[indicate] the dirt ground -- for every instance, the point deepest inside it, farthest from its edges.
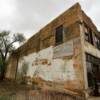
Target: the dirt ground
(10, 90)
(7, 87)
(14, 91)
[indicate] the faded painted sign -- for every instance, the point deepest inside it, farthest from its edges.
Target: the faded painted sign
(65, 49)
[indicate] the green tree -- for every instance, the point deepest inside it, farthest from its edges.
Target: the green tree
(7, 41)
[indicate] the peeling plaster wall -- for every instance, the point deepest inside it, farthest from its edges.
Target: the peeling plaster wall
(48, 68)
(62, 68)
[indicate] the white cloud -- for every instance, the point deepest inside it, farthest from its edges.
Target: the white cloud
(28, 16)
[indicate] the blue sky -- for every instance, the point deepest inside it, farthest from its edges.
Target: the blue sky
(29, 16)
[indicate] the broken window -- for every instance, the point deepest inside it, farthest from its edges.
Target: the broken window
(59, 35)
(88, 34)
(97, 42)
(93, 70)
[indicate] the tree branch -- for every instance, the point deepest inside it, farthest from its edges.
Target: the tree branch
(2, 55)
(11, 43)
(4, 41)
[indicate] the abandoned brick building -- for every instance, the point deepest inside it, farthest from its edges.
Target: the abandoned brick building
(66, 51)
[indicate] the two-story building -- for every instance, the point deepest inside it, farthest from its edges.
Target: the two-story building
(66, 51)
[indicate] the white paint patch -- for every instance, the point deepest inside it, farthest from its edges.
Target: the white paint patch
(43, 65)
(65, 49)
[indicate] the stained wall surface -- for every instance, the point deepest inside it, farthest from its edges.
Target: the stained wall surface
(60, 64)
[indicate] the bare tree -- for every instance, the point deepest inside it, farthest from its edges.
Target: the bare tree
(7, 46)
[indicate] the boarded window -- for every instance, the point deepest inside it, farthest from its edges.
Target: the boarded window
(59, 35)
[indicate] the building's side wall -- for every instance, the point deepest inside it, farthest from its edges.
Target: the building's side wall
(90, 49)
(87, 47)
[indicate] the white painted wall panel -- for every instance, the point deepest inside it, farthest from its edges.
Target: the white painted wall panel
(42, 64)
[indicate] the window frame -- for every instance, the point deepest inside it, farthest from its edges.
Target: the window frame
(59, 35)
(97, 41)
(88, 34)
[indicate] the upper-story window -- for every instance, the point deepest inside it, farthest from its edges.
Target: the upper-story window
(59, 35)
(92, 37)
(97, 42)
(88, 35)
